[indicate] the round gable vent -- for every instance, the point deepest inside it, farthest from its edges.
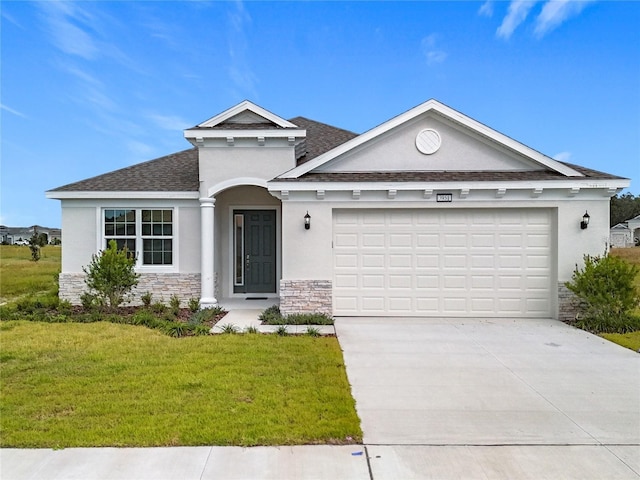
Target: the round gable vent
(428, 141)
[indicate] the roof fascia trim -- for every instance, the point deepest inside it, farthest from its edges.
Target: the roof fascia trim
(241, 107)
(66, 195)
(447, 112)
(580, 183)
(200, 133)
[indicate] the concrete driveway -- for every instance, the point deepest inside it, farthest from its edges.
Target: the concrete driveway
(494, 392)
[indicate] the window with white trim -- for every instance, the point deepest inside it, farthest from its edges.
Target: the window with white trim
(147, 232)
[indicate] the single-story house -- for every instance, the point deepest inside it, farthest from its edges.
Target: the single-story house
(431, 213)
(21, 235)
(625, 234)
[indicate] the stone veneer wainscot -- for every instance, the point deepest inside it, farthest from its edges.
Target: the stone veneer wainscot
(306, 296)
(185, 285)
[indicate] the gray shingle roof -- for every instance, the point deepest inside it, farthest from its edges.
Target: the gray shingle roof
(445, 176)
(177, 172)
(321, 137)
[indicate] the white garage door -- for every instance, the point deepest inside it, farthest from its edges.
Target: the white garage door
(456, 263)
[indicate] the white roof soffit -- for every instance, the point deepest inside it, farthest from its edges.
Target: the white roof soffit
(433, 105)
(252, 107)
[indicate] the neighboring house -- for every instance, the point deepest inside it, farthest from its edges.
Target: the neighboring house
(625, 234)
(429, 214)
(21, 235)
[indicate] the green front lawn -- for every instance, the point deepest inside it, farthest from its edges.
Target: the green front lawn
(20, 276)
(103, 384)
(629, 340)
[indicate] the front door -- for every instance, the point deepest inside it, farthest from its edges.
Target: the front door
(254, 251)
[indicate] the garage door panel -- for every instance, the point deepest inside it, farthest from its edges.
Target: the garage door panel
(346, 280)
(428, 282)
(373, 281)
(427, 261)
(373, 240)
(372, 260)
(346, 260)
(373, 304)
(478, 262)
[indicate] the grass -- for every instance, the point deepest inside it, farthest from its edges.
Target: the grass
(103, 384)
(629, 340)
(20, 276)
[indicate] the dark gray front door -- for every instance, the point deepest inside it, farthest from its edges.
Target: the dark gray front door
(259, 256)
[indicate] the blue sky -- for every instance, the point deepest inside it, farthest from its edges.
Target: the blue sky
(90, 87)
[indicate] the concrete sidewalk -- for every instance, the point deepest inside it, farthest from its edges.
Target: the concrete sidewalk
(186, 463)
(377, 462)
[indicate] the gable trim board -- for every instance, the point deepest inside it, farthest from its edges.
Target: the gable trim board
(482, 225)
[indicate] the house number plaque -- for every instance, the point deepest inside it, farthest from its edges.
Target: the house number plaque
(444, 197)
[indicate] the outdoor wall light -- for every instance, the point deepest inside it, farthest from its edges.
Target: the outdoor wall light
(585, 220)
(307, 221)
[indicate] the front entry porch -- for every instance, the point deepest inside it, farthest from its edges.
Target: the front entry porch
(241, 247)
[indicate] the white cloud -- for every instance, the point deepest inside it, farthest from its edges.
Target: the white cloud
(11, 110)
(169, 122)
(430, 50)
(67, 24)
(563, 156)
(517, 13)
(555, 13)
(239, 70)
(140, 149)
(486, 10)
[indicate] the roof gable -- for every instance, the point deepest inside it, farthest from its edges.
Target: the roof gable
(512, 156)
(246, 113)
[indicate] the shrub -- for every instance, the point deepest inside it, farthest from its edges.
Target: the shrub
(312, 331)
(174, 304)
(282, 331)
(158, 307)
(111, 274)
(201, 330)
(308, 319)
(144, 317)
(30, 304)
(251, 330)
(607, 295)
(194, 305)
(229, 328)
(271, 316)
(146, 299)
(201, 316)
(173, 329)
(88, 300)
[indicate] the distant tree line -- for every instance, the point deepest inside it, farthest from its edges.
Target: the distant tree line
(623, 208)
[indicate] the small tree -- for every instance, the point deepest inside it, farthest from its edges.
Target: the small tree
(607, 294)
(111, 275)
(34, 245)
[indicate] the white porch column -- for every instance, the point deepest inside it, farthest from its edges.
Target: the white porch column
(207, 240)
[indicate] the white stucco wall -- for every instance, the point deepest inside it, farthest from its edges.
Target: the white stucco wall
(219, 164)
(308, 254)
(82, 231)
(79, 230)
(396, 150)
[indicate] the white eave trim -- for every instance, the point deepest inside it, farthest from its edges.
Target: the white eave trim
(447, 112)
(252, 107)
(197, 133)
(122, 195)
(573, 184)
